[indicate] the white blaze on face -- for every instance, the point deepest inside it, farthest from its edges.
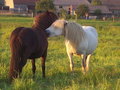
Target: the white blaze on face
(56, 28)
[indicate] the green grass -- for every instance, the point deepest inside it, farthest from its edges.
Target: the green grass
(104, 71)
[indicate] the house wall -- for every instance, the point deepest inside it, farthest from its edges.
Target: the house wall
(115, 11)
(9, 3)
(20, 7)
(59, 7)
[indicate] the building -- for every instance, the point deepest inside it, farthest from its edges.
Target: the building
(107, 7)
(104, 9)
(69, 4)
(113, 6)
(21, 5)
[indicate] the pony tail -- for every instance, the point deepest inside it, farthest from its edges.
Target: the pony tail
(16, 50)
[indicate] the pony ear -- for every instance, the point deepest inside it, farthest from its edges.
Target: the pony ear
(47, 12)
(65, 23)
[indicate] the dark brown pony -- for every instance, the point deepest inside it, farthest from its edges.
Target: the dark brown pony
(30, 43)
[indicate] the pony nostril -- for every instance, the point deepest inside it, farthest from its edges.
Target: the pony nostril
(47, 32)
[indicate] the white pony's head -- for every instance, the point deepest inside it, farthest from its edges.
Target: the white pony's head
(56, 28)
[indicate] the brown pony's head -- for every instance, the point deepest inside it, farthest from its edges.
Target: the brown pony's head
(44, 20)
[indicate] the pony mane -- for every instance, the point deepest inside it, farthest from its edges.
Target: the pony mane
(74, 33)
(44, 20)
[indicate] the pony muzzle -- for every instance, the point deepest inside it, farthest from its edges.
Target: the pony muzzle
(47, 32)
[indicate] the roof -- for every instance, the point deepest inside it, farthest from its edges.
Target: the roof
(103, 9)
(27, 2)
(71, 2)
(111, 2)
(114, 8)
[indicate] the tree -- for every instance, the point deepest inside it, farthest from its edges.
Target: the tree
(2, 2)
(44, 5)
(63, 13)
(82, 10)
(96, 2)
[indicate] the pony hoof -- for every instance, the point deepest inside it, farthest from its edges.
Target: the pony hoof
(87, 69)
(33, 76)
(72, 69)
(83, 70)
(43, 76)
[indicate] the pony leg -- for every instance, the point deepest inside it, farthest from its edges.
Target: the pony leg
(21, 65)
(87, 62)
(23, 60)
(84, 63)
(71, 61)
(43, 64)
(33, 67)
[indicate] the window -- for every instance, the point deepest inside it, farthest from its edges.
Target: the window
(60, 7)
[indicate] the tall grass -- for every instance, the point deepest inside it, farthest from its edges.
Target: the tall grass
(104, 71)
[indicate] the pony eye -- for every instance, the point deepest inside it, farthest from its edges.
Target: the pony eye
(55, 27)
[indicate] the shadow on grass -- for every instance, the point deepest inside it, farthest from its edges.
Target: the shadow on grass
(58, 80)
(5, 83)
(62, 80)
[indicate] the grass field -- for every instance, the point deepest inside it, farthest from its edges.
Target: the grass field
(104, 71)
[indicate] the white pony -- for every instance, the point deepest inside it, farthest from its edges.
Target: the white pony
(80, 40)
